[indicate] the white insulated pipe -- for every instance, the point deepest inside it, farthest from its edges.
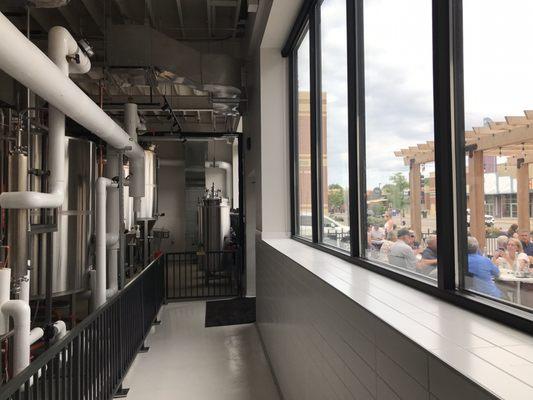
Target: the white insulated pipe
(131, 123)
(5, 289)
(61, 330)
(22, 60)
(63, 52)
(36, 334)
(20, 312)
(99, 291)
(113, 223)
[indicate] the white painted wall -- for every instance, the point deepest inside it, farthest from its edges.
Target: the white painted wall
(275, 164)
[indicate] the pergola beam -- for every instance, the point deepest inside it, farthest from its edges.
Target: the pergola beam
(415, 199)
(476, 197)
(522, 196)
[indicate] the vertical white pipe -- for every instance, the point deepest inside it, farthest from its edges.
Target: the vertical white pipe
(112, 268)
(137, 189)
(5, 285)
(99, 293)
(20, 312)
(113, 223)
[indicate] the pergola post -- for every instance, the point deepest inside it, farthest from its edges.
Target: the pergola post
(476, 196)
(414, 199)
(522, 196)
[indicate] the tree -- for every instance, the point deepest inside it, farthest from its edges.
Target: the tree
(335, 197)
(394, 191)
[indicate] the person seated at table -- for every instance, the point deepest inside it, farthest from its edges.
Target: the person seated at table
(482, 270)
(430, 253)
(376, 235)
(513, 259)
(402, 253)
(501, 243)
(525, 238)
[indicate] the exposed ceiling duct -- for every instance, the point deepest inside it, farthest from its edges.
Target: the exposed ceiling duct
(174, 62)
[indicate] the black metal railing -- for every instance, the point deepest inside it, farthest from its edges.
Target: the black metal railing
(92, 360)
(203, 274)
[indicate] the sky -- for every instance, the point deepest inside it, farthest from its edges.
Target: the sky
(398, 75)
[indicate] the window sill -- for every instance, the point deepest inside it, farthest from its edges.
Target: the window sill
(494, 356)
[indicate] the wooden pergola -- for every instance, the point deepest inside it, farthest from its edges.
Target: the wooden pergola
(512, 138)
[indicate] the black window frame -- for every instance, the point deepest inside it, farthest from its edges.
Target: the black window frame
(448, 95)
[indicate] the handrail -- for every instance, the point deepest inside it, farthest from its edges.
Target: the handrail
(26, 375)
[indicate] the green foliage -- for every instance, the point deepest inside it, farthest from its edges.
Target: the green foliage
(394, 191)
(375, 220)
(335, 197)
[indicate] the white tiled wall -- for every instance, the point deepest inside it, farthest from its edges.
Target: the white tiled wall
(322, 345)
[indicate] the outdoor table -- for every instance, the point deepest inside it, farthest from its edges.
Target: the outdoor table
(506, 276)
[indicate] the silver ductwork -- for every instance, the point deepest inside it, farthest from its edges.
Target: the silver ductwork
(177, 63)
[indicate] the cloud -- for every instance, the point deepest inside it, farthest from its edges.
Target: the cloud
(399, 75)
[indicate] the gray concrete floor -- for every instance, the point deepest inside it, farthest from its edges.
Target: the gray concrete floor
(188, 361)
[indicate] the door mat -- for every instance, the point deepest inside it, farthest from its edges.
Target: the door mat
(230, 312)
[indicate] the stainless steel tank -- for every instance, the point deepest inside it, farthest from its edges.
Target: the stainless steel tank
(72, 246)
(213, 223)
(18, 219)
(213, 229)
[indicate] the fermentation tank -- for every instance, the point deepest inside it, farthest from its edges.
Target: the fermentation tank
(72, 248)
(213, 222)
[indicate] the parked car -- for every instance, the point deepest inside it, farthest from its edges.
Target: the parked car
(332, 228)
(489, 219)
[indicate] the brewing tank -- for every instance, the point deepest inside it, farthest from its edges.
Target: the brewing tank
(72, 248)
(18, 219)
(213, 223)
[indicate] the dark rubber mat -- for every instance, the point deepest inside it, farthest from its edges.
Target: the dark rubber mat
(230, 312)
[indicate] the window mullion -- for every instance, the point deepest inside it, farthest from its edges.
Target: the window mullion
(316, 147)
(444, 141)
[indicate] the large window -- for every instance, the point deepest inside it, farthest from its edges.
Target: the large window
(499, 140)
(400, 176)
(303, 141)
(412, 125)
(334, 125)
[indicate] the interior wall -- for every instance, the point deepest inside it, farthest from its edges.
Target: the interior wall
(275, 164)
(172, 197)
(172, 187)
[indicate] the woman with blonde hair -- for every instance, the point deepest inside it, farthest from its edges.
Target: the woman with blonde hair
(514, 258)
